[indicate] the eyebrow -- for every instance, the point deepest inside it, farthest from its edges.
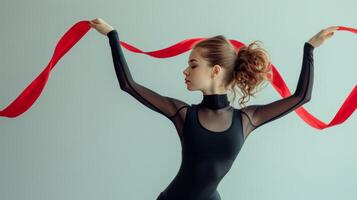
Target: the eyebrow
(192, 60)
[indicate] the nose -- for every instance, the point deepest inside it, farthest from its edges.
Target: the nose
(185, 72)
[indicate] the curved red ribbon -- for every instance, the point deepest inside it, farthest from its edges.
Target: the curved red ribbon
(29, 95)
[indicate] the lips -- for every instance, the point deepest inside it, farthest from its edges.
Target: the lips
(187, 81)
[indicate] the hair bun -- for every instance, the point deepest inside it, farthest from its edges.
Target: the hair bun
(238, 63)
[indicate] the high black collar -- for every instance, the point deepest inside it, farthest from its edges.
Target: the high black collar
(215, 101)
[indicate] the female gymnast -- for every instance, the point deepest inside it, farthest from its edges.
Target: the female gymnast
(212, 132)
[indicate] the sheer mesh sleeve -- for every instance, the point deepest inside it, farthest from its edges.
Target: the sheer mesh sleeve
(167, 106)
(257, 115)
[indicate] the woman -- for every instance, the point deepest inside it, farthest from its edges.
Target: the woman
(212, 132)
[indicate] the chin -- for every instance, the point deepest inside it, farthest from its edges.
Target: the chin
(189, 87)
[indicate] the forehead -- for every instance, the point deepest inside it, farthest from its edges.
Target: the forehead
(194, 56)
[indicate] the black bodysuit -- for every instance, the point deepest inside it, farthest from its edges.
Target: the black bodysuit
(211, 132)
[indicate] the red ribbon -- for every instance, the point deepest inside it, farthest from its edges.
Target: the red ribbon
(29, 95)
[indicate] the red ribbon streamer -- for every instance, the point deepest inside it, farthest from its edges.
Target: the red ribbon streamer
(29, 95)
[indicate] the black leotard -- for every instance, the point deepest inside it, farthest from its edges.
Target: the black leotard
(211, 132)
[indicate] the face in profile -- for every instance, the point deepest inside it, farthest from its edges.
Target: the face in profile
(198, 72)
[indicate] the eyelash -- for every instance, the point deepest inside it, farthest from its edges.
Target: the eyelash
(194, 66)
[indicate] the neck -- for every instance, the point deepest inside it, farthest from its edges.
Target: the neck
(215, 101)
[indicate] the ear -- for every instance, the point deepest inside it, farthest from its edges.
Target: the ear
(216, 70)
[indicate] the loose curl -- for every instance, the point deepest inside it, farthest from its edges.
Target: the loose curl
(248, 67)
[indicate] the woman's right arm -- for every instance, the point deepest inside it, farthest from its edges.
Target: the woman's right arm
(167, 106)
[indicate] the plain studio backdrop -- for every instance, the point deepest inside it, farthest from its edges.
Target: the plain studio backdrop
(86, 139)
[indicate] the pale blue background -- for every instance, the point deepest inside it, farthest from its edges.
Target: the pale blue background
(85, 139)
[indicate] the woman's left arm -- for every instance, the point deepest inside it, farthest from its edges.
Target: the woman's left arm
(257, 115)
(261, 114)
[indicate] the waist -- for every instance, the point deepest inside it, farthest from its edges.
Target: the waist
(170, 194)
(186, 188)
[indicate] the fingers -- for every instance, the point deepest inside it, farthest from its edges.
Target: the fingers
(330, 29)
(100, 25)
(97, 21)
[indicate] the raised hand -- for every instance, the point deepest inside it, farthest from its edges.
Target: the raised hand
(321, 36)
(101, 26)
